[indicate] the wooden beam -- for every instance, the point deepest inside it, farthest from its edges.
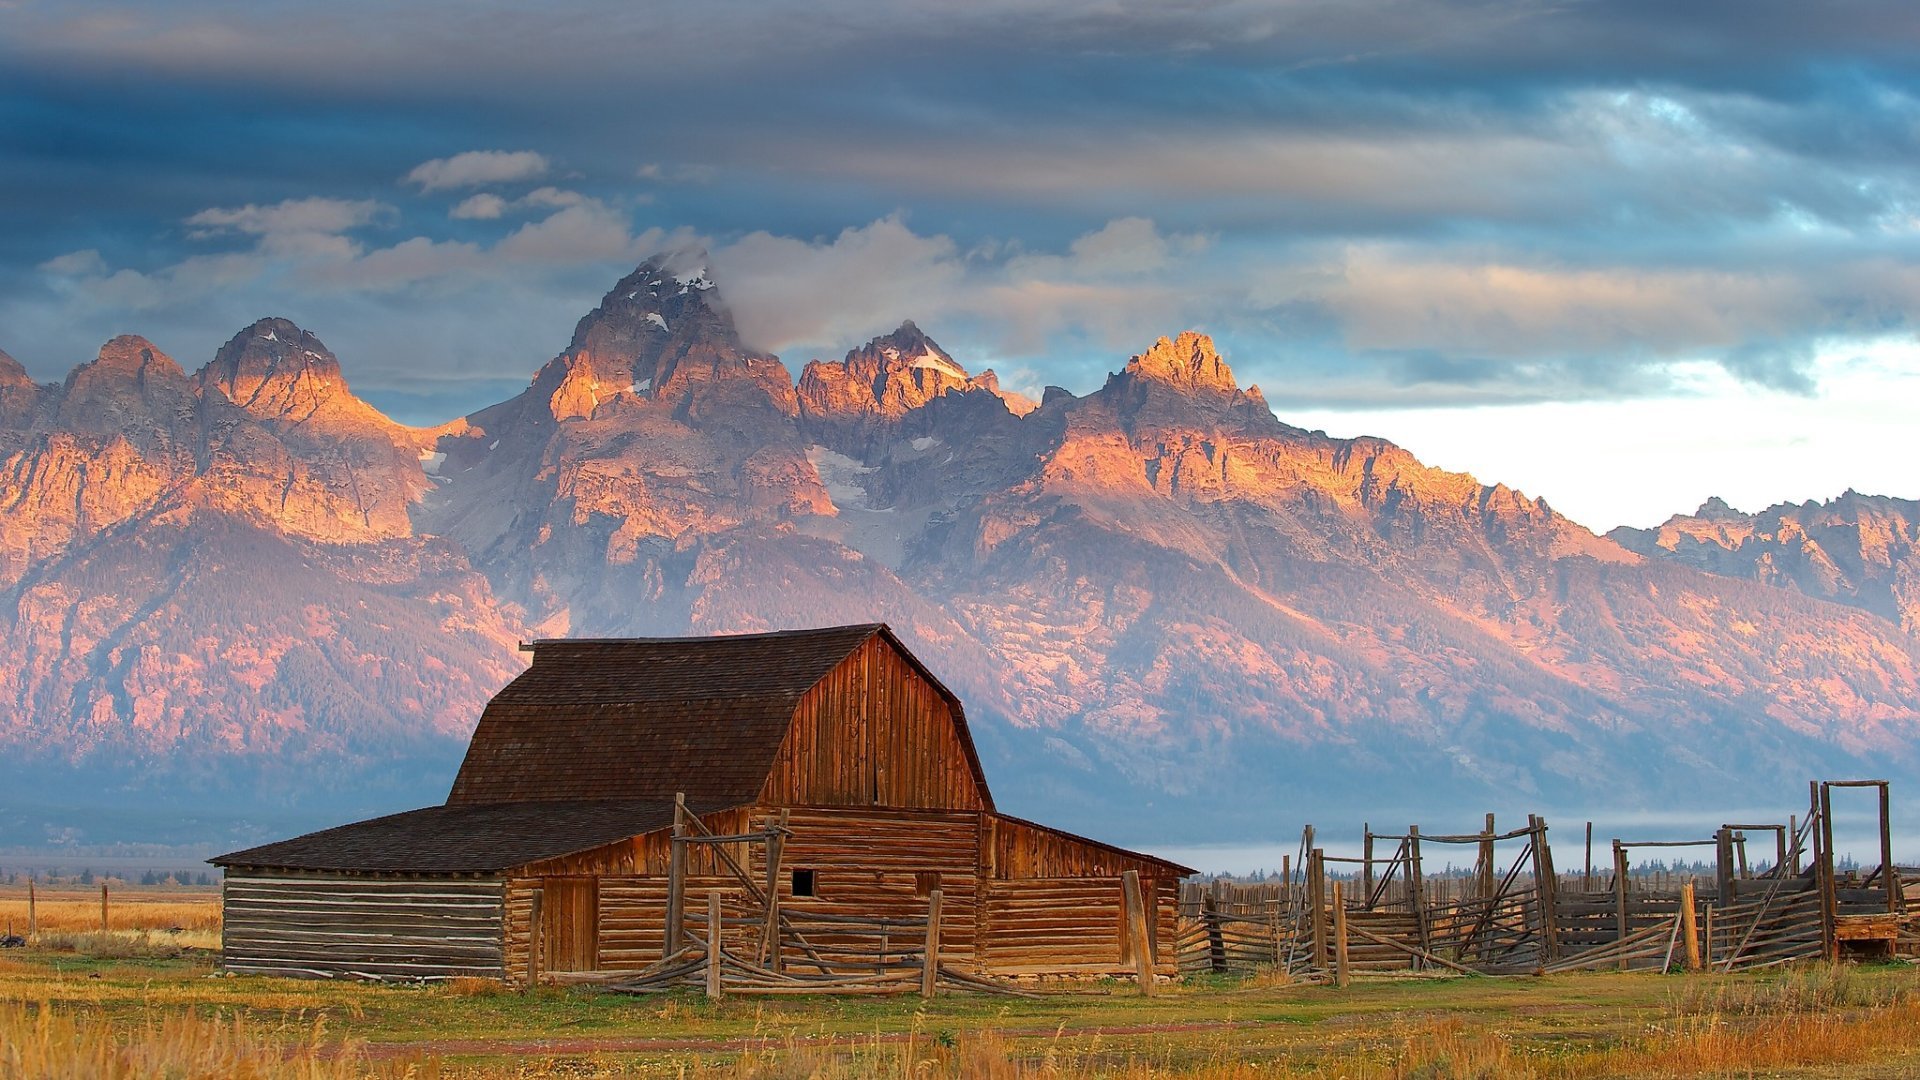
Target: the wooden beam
(1547, 890)
(1723, 867)
(1317, 899)
(1417, 887)
(1620, 896)
(1137, 930)
(1689, 926)
(1889, 874)
(713, 944)
(676, 877)
(1485, 884)
(1340, 976)
(1588, 887)
(930, 959)
(1829, 904)
(1366, 858)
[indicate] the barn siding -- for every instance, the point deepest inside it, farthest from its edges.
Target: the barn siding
(320, 926)
(874, 732)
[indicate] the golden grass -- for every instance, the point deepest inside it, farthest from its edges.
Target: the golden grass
(128, 908)
(40, 1042)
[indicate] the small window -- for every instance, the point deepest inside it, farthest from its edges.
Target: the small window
(803, 883)
(925, 882)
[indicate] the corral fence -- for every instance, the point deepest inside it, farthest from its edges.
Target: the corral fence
(1514, 911)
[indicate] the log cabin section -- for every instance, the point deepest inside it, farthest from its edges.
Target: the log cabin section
(556, 841)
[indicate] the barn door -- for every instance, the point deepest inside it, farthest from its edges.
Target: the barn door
(570, 924)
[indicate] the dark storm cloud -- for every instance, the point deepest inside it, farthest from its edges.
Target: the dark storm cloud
(1464, 201)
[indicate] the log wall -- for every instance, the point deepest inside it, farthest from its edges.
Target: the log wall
(353, 927)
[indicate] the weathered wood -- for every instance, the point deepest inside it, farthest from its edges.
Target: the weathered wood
(676, 877)
(713, 944)
(1549, 888)
(534, 961)
(1689, 927)
(1417, 887)
(343, 927)
(1139, 945)
(1317, 906)
(1829, 908)
(930, 954)
(1366, 858)
(1340, 973)
(1889, 873)
(1620, 886)
(1723, 865)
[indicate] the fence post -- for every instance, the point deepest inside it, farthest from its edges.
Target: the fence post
(930, 962)
(1340, 977)
(1417, 886)
(33, 912)
(1587, 885)
(1137, 930)
(1621, 919)
(1546, 890)
(1829, 902)
(713, 944)
(1689, 926)
(1723, 867)
(1366, 867)
(1216, 938)
(1889, 874)
(676, 878)
(1317, 897)
(103, 907)
(1485, 885)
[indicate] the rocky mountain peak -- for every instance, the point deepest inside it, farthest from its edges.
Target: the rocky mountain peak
(1716, 507)
(17, 391)
(662, 332)
(277, 372)
(909, 351)
(128, 356)
(1188, 361)
(851, 403)
(12, 374)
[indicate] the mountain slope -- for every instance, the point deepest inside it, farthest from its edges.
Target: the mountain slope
(205, 600)
(1170, 614)
(1861, 550)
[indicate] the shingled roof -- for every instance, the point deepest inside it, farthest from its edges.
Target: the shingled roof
(643, 718)
(472, 838)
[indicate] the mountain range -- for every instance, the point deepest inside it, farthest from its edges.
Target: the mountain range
(241, 599)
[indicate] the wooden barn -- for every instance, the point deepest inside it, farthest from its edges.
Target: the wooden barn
(817, 789)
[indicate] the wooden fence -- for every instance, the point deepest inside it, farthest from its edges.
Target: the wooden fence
(1386, 913)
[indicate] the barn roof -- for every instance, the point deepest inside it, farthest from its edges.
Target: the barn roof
(470, 838)
(643, 718)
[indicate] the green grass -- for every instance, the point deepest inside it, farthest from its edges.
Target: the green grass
(1205, 1025)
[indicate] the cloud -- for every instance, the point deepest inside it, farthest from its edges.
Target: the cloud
(477, 167)
(292, 216)
(85, 263)
(482, 207)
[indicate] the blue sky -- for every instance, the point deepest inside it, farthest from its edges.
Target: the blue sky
(1622, 255)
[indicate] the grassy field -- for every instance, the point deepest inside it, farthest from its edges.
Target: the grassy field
(141, 1001)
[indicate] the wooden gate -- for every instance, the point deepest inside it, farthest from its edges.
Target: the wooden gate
(570, 924)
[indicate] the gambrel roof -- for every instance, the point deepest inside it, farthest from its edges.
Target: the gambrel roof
(644, 718)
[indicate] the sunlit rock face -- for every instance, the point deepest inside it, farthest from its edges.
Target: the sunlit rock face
(1148, 595)
(1856, 549)
(860, 402)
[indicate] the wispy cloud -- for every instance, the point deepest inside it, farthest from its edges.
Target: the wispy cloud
(478, 167)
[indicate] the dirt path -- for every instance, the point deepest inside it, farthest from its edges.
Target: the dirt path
(646, 1044)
